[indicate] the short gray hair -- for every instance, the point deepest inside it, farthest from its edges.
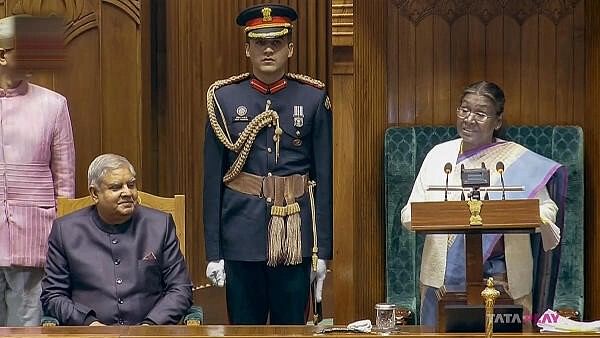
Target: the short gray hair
(104, 163)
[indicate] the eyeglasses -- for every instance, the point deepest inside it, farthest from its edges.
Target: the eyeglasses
(464, 113)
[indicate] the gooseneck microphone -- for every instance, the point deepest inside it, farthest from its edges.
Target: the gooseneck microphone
(447, 170)
(500, 170)
(462, 193)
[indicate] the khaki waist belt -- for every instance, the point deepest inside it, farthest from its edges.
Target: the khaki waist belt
(276, 189)
(284, 243)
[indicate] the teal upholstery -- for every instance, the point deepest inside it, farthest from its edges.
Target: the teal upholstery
(406, 147)
(195, 314)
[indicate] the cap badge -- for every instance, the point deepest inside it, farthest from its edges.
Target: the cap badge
(266, 12)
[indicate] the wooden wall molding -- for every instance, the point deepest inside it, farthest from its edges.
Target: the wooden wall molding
(558, 9)
(80, 15)
(99, 90)
(415, 10)
(80, 25)
(342, 27)
(485, 10)
(131, 7)
(538, 63)
(71, 9)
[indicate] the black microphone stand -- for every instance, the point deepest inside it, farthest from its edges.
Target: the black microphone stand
(447, 170)
(446, 190)
(502, 181)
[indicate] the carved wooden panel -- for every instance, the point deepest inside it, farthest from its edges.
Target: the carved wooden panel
(341, 22)
(102, 85)
(131, 7)
(527, 47)
(79, 15)
(485, 10)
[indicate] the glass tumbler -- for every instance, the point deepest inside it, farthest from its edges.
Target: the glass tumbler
(386, 316)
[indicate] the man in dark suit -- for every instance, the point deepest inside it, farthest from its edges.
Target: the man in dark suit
(268, 178)
(115, 262)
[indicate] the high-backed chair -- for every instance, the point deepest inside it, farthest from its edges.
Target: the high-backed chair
(405, 149)
(173, 205)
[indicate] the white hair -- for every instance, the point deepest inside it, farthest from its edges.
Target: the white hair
(104, 163)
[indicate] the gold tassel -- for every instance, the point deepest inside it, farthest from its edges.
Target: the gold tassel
(293, 239)
(276, 230)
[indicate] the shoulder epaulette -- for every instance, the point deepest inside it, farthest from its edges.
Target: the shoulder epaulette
(306, 79)
(230, 80)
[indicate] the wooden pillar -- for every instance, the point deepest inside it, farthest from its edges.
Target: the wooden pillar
(370, 102)
(591, 128)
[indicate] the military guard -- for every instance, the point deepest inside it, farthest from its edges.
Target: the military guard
(268, 178)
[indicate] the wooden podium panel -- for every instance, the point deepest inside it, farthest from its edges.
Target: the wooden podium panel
(492, 216)
(497, 216)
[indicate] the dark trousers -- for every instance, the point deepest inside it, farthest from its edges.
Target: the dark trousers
(256, 292)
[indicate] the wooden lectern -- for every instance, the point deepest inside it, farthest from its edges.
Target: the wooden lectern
(473, 218)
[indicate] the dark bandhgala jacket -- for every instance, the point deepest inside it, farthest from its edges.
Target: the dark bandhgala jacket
(125, 274)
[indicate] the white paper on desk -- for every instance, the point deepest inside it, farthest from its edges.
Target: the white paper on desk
(361, 325)
(551, 321)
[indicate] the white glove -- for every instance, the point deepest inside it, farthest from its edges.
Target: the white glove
(320, 275)
(215, 271)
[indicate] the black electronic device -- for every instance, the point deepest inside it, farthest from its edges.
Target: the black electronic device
(471, 318)
(475, 178)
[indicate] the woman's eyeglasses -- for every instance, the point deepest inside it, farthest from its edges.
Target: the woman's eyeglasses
(480, 117)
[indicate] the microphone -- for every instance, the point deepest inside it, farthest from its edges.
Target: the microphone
(447, 170)
(462, 193)
(500, 170)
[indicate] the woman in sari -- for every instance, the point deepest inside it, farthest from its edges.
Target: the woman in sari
(506, 257)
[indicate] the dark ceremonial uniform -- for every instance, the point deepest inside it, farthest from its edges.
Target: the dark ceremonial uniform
(266, 147)
(237, 222)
